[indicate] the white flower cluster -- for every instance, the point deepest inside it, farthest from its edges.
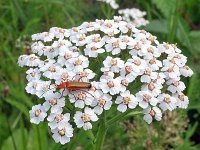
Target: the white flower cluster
(130, 15)
(134, 16)
(112, 3)
(130, 57)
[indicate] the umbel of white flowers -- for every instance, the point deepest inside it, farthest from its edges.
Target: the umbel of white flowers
(130, 15)
(62, 55)
(134, 16)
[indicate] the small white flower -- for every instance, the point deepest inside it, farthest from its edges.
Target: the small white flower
(81, 98)
(63, 135)
(95, 89)
(175, 85)
(32, 86)
(166, 48)
(94, 45)
(150, 113)
(170, 70)
(55, 101)
(51, 52)
(126, 100)
(85, 75)
(51, 71)
(44, 65)
(148, 76)
(44, 36)
(33, 74)
(47, 37)
(31, 61)
(58, 120)
(59, 32)
(138, 64)
(79, 39)
(88, 27)
(124, 82)
(38, 47)
(43, 88)
(154, 64)
(115, 45)
(101, 102)
(110, 86)
(149, 51)
(152, 87)
(107, 75)
(167, 102)
(112, 64)
(37, 114)
(61, 45)
(186, 71)
(79, 63)
(84, 119)
(63, 75)
(109, 27)
(92, 51)
(128, 72)
(178, 59)
(124, 27)
(22, 60)
(182, 100)
(144, 98)
(135, 47)
(64, 57)
(160, 78)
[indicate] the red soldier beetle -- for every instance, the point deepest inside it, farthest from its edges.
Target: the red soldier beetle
(74, 86)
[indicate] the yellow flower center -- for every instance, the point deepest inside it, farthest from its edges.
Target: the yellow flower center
(37, 112)
(86, 117)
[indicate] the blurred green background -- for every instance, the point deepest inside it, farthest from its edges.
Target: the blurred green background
(173, 21)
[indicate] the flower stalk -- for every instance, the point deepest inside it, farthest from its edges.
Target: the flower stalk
(121, 116)
(101, 133)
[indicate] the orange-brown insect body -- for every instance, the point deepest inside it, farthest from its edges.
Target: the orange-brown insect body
(73, 85)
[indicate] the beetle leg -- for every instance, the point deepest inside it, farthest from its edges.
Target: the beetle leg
(87, 92)
(62, 92)
(80, 79)
(70, 91)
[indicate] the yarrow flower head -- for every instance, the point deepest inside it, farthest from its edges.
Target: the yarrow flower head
(82, 72)
(134, 16)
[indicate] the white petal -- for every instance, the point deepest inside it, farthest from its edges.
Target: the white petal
(122, 108)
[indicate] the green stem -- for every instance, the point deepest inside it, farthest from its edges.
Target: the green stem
(38, 137)
(12, 138)
(101, 133)
(20, 11)
(121, 116)
(101, 136)
(173, 23)
(91, 136)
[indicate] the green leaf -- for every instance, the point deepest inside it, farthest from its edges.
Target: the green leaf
(157, 26)
(18, 139)
(191, 130)
(38, 137)
(4, 130)
(194, 37)
(193, 91)
(183, 34)
(166, 7)
(19, 106)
